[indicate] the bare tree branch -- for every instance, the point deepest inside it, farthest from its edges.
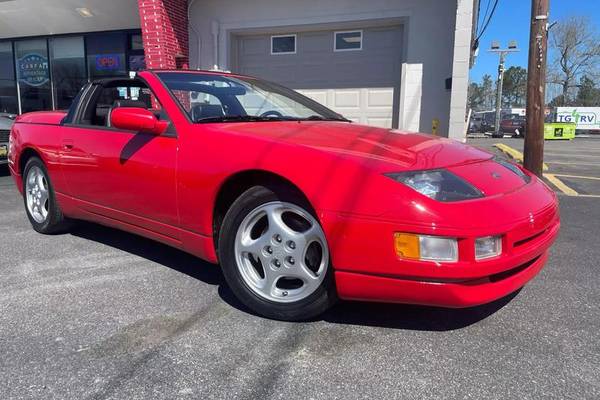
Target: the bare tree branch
(575, 49)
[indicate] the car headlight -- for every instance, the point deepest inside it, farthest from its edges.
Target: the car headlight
(438, 184)
(514, 168)
(488, 247)
(425, 247)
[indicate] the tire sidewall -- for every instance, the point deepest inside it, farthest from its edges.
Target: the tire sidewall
(48, 225)
(314, 304)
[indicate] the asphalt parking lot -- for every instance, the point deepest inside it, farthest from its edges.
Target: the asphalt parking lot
(101, 314)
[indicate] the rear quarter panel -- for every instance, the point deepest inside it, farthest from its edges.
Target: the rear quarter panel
(45, 141)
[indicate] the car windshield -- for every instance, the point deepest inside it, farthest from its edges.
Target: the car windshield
(223, 98)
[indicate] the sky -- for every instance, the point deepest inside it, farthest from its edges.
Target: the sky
(511, 22)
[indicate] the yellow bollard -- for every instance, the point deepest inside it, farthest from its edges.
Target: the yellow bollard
(435, 123)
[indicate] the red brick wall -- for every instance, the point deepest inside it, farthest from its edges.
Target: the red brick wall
(165, 33)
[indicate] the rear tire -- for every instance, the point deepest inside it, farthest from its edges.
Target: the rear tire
(274, 255)
(41, 207)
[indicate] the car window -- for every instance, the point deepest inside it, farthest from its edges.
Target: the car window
(210, 97)
(107, 97)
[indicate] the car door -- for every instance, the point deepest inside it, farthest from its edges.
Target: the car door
(121, 175)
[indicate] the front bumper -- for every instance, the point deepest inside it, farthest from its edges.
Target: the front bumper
(367, 268)
(352, 286)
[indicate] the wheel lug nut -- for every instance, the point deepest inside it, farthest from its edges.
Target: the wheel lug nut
(291, 245)
(277, 263)
(277, 238)
(291, 261)
(268, 249)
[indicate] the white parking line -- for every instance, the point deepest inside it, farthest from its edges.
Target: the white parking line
(578, 177)
(572, 163)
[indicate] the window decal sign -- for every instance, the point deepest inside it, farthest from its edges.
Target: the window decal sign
(33, 69)
(108, 62)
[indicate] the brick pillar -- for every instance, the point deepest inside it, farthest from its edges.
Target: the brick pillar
(165, 33)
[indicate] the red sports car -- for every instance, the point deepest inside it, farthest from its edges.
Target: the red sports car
(298, 205)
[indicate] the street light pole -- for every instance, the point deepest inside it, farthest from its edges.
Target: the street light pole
(536, 87)
(499, 85)
(512, 47)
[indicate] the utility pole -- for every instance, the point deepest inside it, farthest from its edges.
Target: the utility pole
(536, 87)
(512, 47)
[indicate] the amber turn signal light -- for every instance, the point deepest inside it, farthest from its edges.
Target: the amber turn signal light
(407, 245)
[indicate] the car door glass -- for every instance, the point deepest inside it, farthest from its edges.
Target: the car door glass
(98, 114)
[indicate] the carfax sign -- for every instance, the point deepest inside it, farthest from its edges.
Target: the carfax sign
(33, 69)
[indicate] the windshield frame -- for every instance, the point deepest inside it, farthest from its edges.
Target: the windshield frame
(321, 112)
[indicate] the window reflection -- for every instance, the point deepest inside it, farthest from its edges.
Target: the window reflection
(8, 87)
(106, 55)
(68, 69)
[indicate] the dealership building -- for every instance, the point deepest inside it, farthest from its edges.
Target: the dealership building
(401, 64)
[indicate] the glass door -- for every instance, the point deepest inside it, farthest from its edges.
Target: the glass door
(33, 75)
(67, 55)
(8, 87)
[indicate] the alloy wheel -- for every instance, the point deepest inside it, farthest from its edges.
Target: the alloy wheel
(36, 192)
(281, 252)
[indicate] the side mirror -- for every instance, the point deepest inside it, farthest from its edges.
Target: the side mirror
(137, 119)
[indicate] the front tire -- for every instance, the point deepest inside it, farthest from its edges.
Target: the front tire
(274, 255)
(41, 207)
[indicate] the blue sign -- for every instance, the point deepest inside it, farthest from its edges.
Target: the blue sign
(108, 62)
(33, 69)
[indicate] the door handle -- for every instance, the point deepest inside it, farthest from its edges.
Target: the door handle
(67, 145)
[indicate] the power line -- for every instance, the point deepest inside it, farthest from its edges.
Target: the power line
(487, 8)
(487, 22)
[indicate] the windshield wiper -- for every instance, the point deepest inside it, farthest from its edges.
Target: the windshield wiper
(320, 118)
(234, 118)
(258, 118)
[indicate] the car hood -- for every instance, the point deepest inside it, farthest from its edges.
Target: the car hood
(388, 149)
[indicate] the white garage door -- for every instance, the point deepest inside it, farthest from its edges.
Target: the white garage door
(361, 80)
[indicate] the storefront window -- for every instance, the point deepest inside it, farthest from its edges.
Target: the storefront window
(137, 61)
(8, 87)
(33, 74)
(106, 55)
(67, 56)
(47, 73)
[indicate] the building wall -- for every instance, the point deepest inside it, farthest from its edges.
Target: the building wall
(164, 26)
(429, 39)
(460, 69)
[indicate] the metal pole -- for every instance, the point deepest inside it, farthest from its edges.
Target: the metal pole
(499, 95)
(536, 87)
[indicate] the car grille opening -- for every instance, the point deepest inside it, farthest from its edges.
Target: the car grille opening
(507, 274)
(528, 239)
(4, 133)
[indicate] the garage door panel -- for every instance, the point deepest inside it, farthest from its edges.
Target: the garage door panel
(344, 99)
(361, 85)
(320, 96)
(315, 43)
(253, 46)
(380, 98)
(382, 122)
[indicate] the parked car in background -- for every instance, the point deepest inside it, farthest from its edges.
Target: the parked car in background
(485, 120)
(475, 124)
(514, 124)
(298, 205)
(6, 121)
